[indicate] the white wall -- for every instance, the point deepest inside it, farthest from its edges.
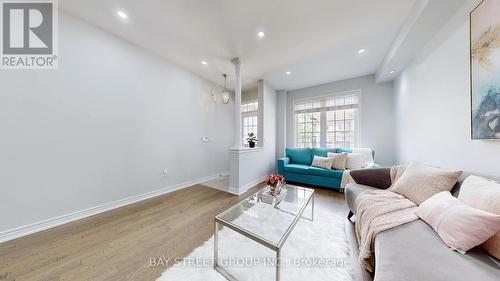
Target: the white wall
(101, 128)
(281, 124)
(250, 95)
(433, 106)
(249, 166)
(269, 126)
(377, 113)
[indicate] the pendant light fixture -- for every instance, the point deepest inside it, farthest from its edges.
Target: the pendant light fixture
(225, 92)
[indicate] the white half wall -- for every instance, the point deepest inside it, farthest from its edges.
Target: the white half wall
(249, 166)
(433, 106)
(102, 127)
(377, 113)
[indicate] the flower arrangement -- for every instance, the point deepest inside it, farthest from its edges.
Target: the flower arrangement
(275, 181)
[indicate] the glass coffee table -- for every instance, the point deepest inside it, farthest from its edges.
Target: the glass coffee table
(265, 224)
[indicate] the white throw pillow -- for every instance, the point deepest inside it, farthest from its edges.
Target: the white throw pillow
(339, 160)
(355, 161)
(367, 156)
(322, 162)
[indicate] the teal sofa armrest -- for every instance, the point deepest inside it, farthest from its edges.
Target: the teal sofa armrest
(282, 162)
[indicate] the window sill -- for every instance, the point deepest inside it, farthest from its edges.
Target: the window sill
(241, 150)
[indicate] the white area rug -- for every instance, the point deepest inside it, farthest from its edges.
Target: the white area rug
(315, 251)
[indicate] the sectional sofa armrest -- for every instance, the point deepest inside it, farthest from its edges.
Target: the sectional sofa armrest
(377, 177)
(282, 162)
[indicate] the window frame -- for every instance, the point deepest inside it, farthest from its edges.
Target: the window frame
(247, 114)
(323, 119)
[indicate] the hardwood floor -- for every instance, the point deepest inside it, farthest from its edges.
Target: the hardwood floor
(118, 245)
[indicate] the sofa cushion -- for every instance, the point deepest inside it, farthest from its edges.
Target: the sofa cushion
(376, 177)
(483, 194)
(461, 227)
(355, 161)
(322, 162)
(414, 252)
(352, 191)
(325, 172)
(339, 160)
(321, 151)
(419, 182)
(343, 149)
(297, 168)
(299, 155)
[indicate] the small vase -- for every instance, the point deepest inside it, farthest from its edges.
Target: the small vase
(275, 190)
(251, 144)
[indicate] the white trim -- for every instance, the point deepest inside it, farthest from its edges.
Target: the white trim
(332, 95)
(249, 102)
(358, 92)
(238, 191)
(64, 219)
(241, 150)
(250, 113)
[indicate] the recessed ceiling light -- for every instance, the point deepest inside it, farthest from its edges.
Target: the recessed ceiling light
(261, 34)
(288, 72)
(204, 62)
(392, 72)
(360, 51)
(122, 14)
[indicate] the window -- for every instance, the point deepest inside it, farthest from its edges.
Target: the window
(249, 118)
(308, 129)
(328, 121)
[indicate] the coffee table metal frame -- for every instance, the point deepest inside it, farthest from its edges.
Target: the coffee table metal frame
(275, 247)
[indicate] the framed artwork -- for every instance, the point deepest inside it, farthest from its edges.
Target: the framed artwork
(485, 70)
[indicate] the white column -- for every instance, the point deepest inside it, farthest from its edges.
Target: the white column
(237, 103)
(281, 124)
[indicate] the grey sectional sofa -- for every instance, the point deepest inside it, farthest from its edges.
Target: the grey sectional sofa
(414, 251)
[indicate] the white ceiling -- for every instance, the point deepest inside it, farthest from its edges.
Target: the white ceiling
(317, 40)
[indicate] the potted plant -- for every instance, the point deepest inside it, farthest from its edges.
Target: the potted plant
(251, 139)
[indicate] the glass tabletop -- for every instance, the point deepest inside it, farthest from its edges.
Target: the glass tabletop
(263, 220)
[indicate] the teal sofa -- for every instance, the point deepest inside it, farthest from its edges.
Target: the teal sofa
(296, 167)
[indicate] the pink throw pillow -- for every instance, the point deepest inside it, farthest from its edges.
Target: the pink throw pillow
(460, 226)
(483, 194)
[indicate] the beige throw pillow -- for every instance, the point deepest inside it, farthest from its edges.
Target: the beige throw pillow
(339, 160)
(483, 194)
(322, 162)
(419, 182)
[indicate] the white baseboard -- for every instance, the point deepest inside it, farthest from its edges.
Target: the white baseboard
(57, 221)
(246, 187)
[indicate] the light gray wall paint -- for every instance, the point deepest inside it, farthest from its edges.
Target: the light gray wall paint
(101, 128)
(433, 107)
(377, 113)
(281, 124)
(270, 132)
(250, 95)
